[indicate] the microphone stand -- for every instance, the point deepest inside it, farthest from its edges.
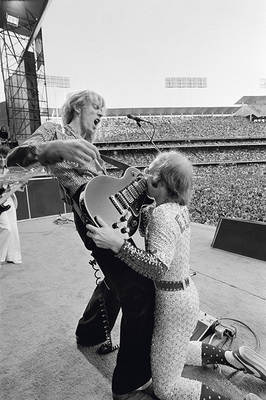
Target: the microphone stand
(150, 138)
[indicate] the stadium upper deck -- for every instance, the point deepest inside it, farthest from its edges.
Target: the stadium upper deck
(160, 127)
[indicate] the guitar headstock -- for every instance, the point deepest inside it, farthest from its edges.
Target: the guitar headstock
(19, 174)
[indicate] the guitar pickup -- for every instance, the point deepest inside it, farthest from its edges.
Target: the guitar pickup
(119, 197)
(116, 204)
(140, 186)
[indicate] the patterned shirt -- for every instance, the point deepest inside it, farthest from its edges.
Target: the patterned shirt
(69, 174)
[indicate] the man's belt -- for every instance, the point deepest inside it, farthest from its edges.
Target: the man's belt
(172, 286)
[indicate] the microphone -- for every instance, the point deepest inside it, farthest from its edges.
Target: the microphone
(137, 119)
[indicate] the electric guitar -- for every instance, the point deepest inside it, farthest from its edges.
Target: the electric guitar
(15, 178)
(117, 201)
(9, 193)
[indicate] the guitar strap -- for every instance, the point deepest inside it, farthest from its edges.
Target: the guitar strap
(118, 164)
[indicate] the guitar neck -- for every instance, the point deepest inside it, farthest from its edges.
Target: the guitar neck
(16, 177)
(9, 193)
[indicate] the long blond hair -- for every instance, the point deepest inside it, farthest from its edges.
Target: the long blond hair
(79, 99)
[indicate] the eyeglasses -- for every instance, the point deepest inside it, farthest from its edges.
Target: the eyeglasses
(146, 171)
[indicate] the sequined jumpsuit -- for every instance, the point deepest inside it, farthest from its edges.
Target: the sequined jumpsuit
(167, 233)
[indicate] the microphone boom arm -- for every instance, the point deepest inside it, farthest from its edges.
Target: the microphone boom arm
(138, 121)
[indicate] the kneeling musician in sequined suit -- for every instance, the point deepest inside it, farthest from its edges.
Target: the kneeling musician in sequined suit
(165, 260)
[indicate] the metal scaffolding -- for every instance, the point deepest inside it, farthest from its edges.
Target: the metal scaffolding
(23, 67)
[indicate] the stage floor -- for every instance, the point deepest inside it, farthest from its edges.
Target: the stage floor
(42, 300)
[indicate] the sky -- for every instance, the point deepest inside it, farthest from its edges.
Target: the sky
(124, 50)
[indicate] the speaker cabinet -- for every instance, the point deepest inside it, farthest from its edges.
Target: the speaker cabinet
(41, 198)
(247, 238)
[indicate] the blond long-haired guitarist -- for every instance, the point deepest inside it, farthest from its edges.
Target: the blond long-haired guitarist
(69, 154)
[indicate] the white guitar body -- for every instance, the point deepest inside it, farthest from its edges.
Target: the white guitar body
(117, 201)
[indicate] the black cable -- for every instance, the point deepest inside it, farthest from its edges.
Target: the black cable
(232, 338)
(251, 330)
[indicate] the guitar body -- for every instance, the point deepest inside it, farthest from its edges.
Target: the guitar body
(117, 201)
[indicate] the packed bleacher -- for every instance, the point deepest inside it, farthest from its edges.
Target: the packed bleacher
(173, 127)
(234, 186)
(197, 155)
(233, 191)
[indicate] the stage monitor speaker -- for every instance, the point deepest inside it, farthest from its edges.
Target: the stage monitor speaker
(44, 197)
(247, 238)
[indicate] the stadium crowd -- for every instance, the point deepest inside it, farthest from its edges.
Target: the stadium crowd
(232, 191)
(227, 190)
(197, 155)
(186, 127)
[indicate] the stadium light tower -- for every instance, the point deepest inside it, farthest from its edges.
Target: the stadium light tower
(55, 85)
(186, 82)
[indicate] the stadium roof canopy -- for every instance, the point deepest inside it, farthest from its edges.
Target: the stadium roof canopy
(257, 110)
(22, 17)
(252, 105)
(173, 111)
(252, 100)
